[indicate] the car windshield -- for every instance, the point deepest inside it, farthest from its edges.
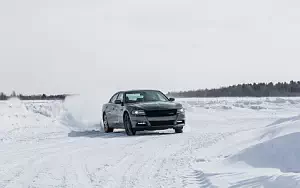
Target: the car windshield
(144, 96)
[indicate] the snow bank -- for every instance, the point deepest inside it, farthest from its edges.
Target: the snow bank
(262, 149)
(233, 103)
(285, 120)
(50, 109)
(282, 153)
(26, 121)
(277, 147)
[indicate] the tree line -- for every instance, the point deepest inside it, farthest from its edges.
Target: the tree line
(280, 89)
(3, 96)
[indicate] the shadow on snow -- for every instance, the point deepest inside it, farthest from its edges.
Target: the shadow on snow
(95, 134)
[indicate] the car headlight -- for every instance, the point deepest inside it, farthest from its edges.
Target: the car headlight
(138, 112)
(180, 111)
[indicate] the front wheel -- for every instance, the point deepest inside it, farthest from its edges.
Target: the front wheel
(178, 130)
(128, 126)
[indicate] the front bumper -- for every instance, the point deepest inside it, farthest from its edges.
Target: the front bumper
(158, 123)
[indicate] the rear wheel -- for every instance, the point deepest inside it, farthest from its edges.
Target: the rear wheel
(178, 130)
(128, 126)
(107, 129)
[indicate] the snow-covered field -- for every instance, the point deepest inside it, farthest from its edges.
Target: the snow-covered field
(228, 142)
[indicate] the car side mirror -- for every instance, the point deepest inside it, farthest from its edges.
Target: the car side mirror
(118, 102)
(171, 99)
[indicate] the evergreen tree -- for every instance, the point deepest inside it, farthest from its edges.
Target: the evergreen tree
(252, 90)
(13, 94)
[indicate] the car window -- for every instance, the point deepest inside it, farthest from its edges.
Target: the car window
(113, 99)
(134, 97)
(120, 97)
(144, 96)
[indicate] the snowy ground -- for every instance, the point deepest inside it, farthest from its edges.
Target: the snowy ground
(235, 142)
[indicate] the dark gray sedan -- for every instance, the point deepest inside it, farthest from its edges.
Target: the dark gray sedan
(139, 110)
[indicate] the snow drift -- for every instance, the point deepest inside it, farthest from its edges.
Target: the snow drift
(282, 153)
(40, 120)
(278, 148)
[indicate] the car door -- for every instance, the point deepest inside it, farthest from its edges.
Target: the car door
(118, 111)
(110, 110)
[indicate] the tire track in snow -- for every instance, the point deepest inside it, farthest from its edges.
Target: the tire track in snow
(126, 162)
(197, 179)
(103, 174)
(29, 168)
(27, 174)
(184, 161)
(25, 161)
(147, 160)
(135, 171)
(156, 165)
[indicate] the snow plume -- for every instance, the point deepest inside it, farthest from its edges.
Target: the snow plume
(84, 111)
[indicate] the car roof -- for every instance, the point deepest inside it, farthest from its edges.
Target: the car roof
(137, 90)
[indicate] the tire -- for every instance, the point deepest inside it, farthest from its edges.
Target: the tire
(106, 127)
(127, 125)
(179, 130)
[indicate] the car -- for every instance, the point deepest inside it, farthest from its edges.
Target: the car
(140, 110)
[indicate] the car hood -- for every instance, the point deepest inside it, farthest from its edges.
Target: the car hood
(156, 105)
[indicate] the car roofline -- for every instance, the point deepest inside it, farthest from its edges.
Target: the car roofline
(137, 90)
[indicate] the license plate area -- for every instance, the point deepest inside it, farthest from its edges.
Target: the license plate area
(162, 123)
(165, 118)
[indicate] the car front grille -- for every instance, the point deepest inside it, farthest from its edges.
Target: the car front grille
(161, 113)
(161, 123)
